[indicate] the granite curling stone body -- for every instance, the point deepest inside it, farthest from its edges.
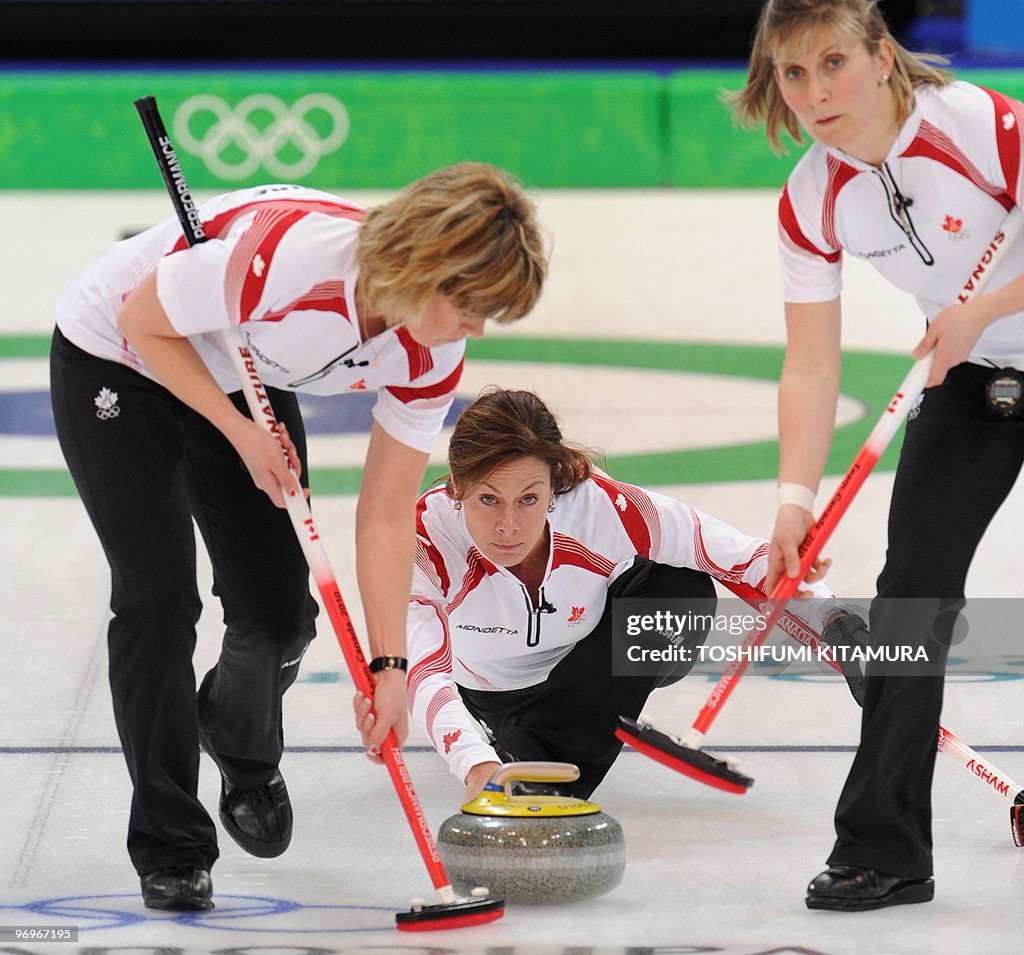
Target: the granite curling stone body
(533, 849)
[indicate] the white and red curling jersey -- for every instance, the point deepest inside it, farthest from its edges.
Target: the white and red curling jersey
(280, 264)
(473, 623)
(924, 219)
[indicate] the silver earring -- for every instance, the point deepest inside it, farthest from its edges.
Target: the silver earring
(457, 505)
(885, 78)
(551, 506)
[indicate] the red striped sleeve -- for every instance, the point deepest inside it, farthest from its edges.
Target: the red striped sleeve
(1009, 120)
(421, 509)
(839, 174)
(479, 568)
(703, 561)
(931, 143)
(221, 223)
(437, 702)
(567, 551)
(440, 661)
(420, 359)
(445, 387)
(322, 297)
(249, 264)
(636, 512)
(430, 562)
(787, 219)
(428, 555)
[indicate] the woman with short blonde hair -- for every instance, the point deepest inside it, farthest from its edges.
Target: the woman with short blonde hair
(468, 231)
(331, 299)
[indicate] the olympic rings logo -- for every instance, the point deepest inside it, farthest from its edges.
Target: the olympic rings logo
(261, 130)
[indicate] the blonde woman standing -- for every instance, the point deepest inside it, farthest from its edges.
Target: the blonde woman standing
(914, 172)
(331, 298)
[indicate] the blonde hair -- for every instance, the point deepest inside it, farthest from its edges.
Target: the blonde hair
(503, 426)
(467, 231)
(784, 26)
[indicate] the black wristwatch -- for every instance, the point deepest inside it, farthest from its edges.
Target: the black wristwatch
(388, 663)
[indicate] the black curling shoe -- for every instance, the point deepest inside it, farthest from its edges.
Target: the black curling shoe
(847, 888)
(260, 819)
(178, 889)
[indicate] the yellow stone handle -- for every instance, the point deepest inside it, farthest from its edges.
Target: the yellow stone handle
(537, 772)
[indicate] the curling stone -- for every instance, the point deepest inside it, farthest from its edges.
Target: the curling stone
(532, 849)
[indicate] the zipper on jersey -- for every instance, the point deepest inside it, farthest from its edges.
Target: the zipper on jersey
(899, 209)
(532, 639)
(533, 615)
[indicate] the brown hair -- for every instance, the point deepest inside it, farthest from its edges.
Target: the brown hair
(784, 24)
(502, 426)
(467, 231)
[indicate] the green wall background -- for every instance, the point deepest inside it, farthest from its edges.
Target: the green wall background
(66, 130)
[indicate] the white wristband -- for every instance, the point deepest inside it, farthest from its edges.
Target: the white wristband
(799, 494)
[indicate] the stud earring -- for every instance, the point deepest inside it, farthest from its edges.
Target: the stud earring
(457, 505)
(884, 79)
(551, 506)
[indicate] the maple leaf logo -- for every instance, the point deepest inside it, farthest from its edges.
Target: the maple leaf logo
(1009, 121)
(106, 404)
(953, 225)
(450, 738)
(358, 385)
(576, 613)
(258, 265)
(621, 503)
(106, 399)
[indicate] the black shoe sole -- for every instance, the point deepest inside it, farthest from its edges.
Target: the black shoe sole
(262, 850)
(178, 905)
(901, 895)
(255, 847)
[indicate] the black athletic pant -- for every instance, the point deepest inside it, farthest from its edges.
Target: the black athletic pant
(956, 467)
(145, 465)
(572, 716)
